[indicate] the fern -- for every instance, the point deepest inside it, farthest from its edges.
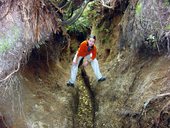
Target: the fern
(83, 24)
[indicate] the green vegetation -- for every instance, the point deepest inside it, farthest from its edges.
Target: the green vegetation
(84, 23)
(138, 8)
(152, 40)
(92, 16)
(4, 45)
(9, 39)
(167, 27)
(104, 31)
(80, 26)
(166, 2)
(105, 39)
(105, 34)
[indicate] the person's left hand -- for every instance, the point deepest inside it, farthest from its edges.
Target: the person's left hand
(85, 63)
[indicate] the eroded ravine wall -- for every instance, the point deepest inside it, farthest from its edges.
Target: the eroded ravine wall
(134, 77)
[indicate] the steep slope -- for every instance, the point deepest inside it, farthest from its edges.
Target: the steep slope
(131, 84)
(136, 93)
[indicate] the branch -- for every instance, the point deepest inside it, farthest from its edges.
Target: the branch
(62, 3)
(66, 5)
(155, 98)
(77, 15)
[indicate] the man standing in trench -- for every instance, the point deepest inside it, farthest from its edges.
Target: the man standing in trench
(87, 50)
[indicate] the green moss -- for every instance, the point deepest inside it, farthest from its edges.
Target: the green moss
(167, 27)
(4, 45)
(9, 38)
(166, 2)
(104, 32)
(138, 8)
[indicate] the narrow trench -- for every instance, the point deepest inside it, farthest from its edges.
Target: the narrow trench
(85, 117)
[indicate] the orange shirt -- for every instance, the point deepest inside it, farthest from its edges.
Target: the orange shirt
(83, 50)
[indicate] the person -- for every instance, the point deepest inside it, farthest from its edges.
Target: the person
(87, 50)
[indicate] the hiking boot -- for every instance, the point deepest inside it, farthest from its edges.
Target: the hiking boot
(102, 79)
(70, 84)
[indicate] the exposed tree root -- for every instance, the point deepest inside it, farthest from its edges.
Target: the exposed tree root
(151, 100)
(9, 75)
(3, 123)
(163, 116)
